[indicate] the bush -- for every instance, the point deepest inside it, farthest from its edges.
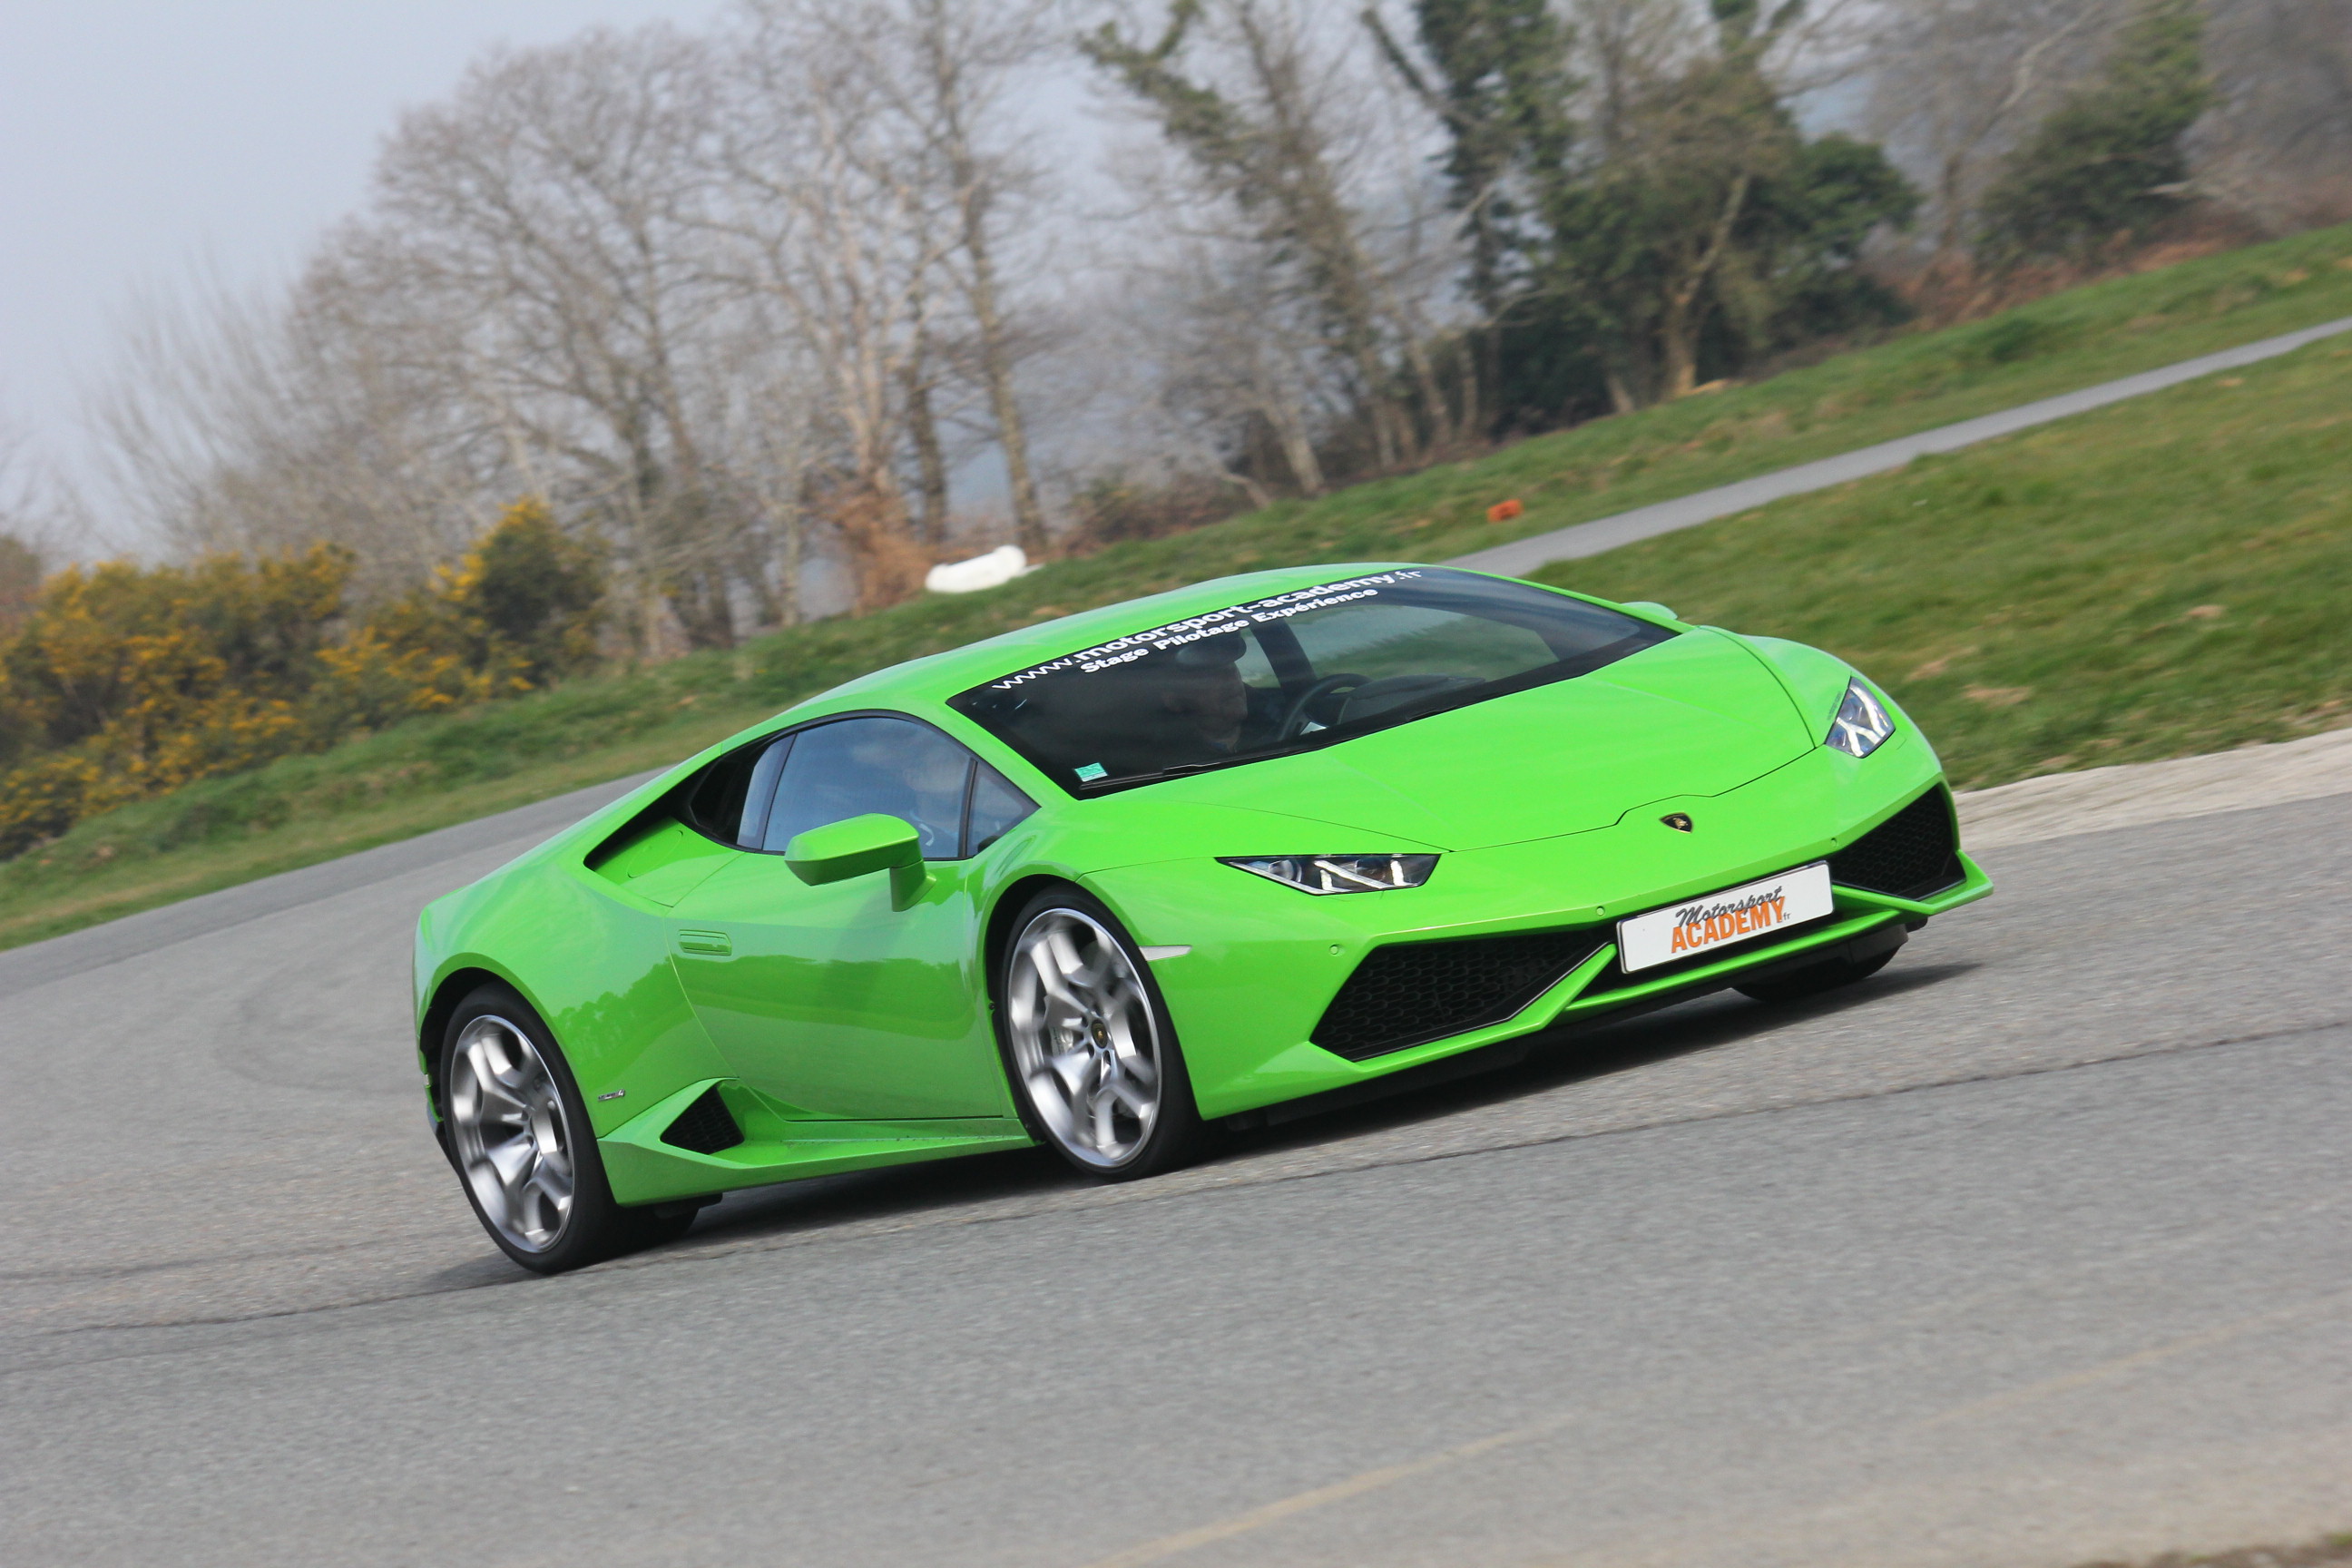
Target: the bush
(528, 599)
(517, 614)
(124, 681)
(127, 681)
(2109, 160)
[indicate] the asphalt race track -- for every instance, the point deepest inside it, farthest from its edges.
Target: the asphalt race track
(2031, 1250)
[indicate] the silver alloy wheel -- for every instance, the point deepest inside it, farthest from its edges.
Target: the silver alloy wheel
(1086, 1044)
(513, 1139)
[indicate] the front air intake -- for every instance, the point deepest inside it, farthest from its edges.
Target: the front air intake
(1411, 993)
(705, 1127)
(1912, 854)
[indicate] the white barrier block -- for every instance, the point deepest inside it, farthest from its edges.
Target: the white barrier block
(994, 570)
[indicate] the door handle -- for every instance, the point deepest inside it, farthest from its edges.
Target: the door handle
(707, 944)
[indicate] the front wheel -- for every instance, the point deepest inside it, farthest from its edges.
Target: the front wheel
(1092, 1058)
(519, 1137)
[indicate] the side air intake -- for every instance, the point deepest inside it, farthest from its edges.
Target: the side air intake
(705, 1127)
(1411, 993)
(1912, 854)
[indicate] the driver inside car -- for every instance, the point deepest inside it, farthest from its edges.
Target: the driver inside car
(1174, 708)
(1202, 686)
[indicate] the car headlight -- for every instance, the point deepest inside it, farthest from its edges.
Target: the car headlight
(1862, 725)
(1321, 874)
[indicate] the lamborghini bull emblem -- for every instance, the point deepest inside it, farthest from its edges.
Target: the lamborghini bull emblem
(1677, 820)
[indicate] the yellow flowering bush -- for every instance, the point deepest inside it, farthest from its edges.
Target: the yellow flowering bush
(126, 680)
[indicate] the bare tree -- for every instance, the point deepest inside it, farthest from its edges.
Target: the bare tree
(251, 422)
(968, 59)
(1237, 356)
(922, 374)
(1262, 132)
(1956, 83)
(551, 207)
(819, 210)
(2278, 143)
(936, 83)
(534, 302)
(27, 518)
(768, 442)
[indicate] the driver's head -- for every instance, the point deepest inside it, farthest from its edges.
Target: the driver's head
(1202, 684)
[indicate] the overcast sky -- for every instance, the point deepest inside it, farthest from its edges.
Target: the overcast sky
(141, 140)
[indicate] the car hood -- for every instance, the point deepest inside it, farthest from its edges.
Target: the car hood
(1694, 716)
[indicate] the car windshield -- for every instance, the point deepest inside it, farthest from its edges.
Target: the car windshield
(1294, 671)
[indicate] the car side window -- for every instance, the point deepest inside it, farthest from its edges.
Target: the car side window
(853, 766)
(996, 807)
(729, 800)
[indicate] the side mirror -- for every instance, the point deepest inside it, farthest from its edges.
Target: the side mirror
(1652, 607)
(857, 846)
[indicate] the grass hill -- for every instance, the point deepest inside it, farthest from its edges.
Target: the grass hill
(2163, 578)
(2158, 578)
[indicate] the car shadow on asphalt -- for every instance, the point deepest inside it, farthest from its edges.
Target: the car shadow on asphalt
(1548, 1062)
(1600, 1051)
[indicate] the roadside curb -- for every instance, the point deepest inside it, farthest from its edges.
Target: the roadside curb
(2133, 794)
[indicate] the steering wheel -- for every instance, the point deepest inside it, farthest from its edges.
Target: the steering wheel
(1294, 718)
(1394, 691)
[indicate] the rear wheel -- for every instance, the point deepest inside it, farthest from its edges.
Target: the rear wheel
(519, 1137)
(1092, 1058)
(1812, 980)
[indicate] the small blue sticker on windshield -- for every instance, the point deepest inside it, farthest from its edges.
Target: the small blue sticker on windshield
(1092, 771)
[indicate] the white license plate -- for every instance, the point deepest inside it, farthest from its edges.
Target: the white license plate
(1721, 920)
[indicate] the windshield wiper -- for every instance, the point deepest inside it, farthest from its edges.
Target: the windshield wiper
(1178, 771)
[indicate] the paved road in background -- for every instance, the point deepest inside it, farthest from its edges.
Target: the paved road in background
(2033, 1250)
(503, 835)
(1522, 556)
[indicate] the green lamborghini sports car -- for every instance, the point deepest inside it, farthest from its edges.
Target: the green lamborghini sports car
(1191, 859)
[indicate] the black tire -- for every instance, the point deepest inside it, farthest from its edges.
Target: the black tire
(592, 1226)
(1174, 1133)
(1814, 979)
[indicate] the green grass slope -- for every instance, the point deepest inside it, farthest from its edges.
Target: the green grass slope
(2161, 578)
(1900, 611)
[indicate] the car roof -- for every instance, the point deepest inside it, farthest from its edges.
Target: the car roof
(938, 676)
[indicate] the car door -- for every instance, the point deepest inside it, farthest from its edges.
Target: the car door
(826, 998)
